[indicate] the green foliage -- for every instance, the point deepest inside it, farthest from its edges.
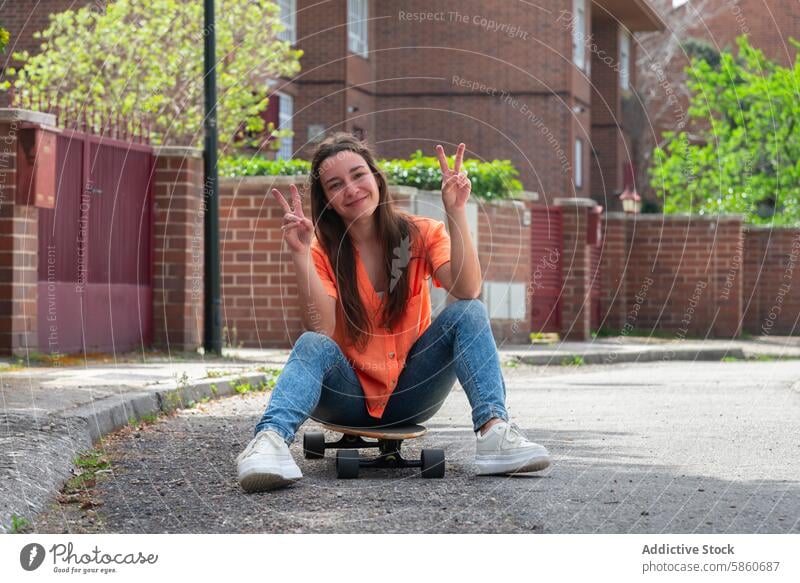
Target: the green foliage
(740, 150)
(4, 38)
(243, 165)
(19, 525)
(143, 61)
(490, 180)
(574, 360)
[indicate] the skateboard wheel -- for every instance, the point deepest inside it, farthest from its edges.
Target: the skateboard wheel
(347, 463)
(314, 445)
(433, 463)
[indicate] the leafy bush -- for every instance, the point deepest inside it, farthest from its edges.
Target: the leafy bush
(739, 149)
(490, 180)
(243, 165)
(4, 38)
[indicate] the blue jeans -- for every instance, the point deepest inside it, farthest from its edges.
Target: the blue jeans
(319, 382)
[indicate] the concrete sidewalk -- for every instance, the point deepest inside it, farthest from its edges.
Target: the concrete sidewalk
(52, 413)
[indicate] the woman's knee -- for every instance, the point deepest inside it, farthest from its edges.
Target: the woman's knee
(467, 311)
(311, 344)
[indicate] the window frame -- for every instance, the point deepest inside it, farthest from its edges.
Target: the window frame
(287, 144)
(357, 27)
(288, 16)
(624, 59)
(579, 34)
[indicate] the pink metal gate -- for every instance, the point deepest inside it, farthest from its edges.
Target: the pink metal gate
(95, 247)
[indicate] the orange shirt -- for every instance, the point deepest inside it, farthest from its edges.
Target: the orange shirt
(379, 366)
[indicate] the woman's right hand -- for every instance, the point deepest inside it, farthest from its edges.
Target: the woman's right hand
(297, 229)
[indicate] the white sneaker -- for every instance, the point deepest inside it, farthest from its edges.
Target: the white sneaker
(266, 463)
(505, 450)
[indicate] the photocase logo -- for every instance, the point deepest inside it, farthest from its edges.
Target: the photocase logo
(402, 255)
(31, 556)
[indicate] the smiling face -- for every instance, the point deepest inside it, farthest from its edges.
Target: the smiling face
(350, 186)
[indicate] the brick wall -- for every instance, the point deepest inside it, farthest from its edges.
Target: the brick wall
(576, 269)
(19, 245)
(613, 263)
(681, 274)
(178, 248)
(771, 292)
(505, 256)
(258, 280)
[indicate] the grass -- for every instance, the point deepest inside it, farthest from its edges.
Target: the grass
(242, 386)
(18, 524)
(757, 358)
(574, 360)
(147, 419)
(89, 463)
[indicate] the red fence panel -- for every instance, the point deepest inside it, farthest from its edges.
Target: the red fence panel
(95, 283)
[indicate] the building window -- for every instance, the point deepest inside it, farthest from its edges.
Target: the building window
(288, 18)
(285, 112)
(579, 33)
(624, 59)
(357, 20)
(578, 163)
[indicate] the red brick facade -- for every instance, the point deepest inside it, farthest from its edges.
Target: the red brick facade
(19, 240)
(771, 276)
(178, 249)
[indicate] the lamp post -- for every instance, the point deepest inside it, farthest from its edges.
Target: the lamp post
(212, 312)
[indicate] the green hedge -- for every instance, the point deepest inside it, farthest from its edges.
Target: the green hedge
(240, 165)
(490, 180)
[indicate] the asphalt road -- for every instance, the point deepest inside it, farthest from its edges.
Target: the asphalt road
(638, 448)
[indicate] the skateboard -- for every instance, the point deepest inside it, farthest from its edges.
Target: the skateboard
(388, 442)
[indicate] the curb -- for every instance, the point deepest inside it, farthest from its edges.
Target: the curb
(113, 413)
(690, 354)
(75, 430)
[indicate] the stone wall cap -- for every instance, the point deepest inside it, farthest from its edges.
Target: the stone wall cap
(667, 218)
(575, 201)
(26, 115)
(274, 179)
(771, 228)
(692, 216)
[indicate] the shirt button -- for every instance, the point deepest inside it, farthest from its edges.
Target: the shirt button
(391, 355)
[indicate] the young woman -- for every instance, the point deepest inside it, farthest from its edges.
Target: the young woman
(371, 356)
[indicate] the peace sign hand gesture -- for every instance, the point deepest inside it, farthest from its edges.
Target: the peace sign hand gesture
(297, 229)
(455, 184)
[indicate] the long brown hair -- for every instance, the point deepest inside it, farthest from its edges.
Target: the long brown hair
(394, 226)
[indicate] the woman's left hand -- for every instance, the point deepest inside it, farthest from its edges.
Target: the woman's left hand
(455, 184)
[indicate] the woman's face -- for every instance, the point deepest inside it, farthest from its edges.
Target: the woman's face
(349, 185)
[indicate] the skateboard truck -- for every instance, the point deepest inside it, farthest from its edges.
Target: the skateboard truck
(388, 441)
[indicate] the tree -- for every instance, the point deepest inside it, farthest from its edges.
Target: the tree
(740, 151)
(661, 95)
(143, 62)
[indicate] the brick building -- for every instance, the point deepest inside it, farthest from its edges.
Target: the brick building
(541, 85)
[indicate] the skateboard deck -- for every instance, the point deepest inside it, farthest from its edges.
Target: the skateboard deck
(410, 431)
